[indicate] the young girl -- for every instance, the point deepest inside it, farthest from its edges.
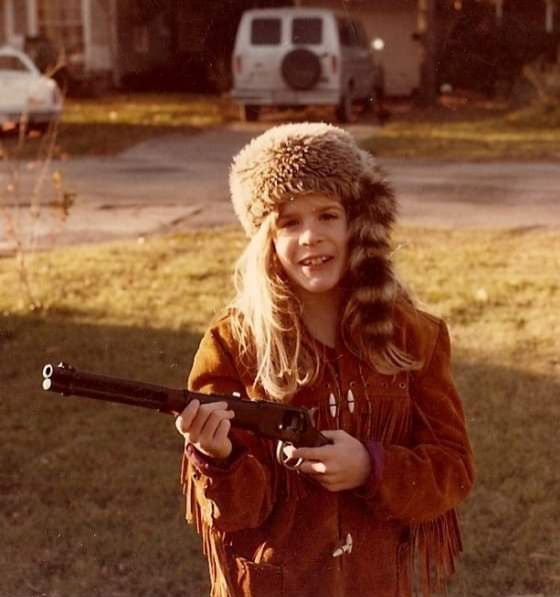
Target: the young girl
(321, 321)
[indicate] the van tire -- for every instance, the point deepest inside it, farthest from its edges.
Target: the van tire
(250, 113)
(301, 69)
(344, 108)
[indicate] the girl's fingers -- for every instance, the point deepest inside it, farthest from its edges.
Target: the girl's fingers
(213, 423)
(222, 431)
(312, 453)
(204, 412)
(184, 421)
(313, 468)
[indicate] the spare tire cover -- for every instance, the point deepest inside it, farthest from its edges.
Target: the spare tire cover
(301, 69)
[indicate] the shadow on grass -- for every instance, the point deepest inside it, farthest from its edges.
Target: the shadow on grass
(89, 492)
(90, 495)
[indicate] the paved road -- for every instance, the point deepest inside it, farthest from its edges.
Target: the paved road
(179, 183)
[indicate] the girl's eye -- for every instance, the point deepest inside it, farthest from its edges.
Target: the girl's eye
(287, 223)
(329, 215)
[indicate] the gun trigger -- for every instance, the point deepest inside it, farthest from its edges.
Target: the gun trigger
(284, 460)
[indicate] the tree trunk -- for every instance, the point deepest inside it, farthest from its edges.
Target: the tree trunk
(428, 46)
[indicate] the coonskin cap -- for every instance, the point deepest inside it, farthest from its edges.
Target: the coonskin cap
(302, 158)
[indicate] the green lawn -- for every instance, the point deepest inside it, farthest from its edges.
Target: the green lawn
(491, 132)
(90, 499)
(467, 131)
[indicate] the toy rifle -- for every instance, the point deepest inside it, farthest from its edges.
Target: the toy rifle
(291, 425)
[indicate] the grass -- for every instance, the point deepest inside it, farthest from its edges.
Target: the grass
(89, 491)
(457, 129)
(463, 132)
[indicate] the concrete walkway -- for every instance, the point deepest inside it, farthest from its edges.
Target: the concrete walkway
(177, 183)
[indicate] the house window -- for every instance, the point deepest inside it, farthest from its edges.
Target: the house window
(61, 22)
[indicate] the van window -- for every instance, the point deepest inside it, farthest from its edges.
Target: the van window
(360, 34)
(345, 32)
(351, 33)
(266, 32)
(307, 31)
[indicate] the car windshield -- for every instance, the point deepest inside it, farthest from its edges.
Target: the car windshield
(307, 31)
(12, 63)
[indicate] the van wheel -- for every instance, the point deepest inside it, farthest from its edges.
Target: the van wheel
(250, 113)
(344, 108)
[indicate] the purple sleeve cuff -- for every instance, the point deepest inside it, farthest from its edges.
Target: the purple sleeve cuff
(370, 487)
(215, 466)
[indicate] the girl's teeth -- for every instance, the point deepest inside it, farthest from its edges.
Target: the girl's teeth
(315, 261)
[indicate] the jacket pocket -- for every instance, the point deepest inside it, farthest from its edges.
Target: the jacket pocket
(259, 580)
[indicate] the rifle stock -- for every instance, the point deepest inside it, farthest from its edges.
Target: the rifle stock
(289, 424)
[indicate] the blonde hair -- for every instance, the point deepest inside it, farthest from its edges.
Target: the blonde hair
(266, 322)
(266, 319)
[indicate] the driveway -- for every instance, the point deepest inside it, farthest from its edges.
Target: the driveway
(177, 183)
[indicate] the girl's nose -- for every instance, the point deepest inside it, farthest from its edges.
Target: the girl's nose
(309, 236)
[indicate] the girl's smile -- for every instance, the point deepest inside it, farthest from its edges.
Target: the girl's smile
(311, 243)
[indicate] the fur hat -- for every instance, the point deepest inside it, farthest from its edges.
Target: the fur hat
(291, 159)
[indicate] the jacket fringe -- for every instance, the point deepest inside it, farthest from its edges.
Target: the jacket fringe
(213, 540)
(435, 545)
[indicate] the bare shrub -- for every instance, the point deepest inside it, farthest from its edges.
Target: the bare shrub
(32, 195)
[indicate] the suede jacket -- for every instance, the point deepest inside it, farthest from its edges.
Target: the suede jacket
(272, 532)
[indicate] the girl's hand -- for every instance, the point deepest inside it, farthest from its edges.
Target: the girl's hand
(345, 464)
(207, 427)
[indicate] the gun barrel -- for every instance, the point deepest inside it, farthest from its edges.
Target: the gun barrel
(66, 380)
(268, 419)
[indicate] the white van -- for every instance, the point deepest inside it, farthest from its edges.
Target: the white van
(288, 57)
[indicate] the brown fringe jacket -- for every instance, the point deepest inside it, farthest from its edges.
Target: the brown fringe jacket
(271, 532)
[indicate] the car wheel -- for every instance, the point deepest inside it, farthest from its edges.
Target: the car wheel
(344, 108)
(250, 113)
(41, 127)
(301, 69)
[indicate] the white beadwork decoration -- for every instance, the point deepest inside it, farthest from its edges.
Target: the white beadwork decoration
(345, 548)
(350, 400)
(332, 405)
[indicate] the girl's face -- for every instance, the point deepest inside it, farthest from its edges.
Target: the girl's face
(310, 240)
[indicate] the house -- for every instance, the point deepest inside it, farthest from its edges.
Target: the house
(126, 42)
(186, 44)
(77, 35)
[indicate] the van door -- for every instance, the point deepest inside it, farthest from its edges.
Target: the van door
(258, 52)
(314, 34)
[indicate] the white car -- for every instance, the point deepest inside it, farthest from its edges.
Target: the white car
(25, 93)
